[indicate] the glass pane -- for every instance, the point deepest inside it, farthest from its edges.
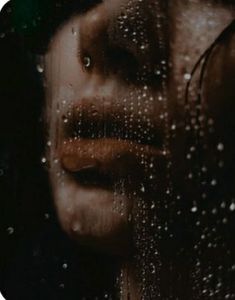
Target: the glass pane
(117, 151)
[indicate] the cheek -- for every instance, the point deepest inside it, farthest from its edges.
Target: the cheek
(194, 28)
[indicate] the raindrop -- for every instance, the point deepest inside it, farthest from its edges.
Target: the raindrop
(214, 211)
(43, 160)
(143, 47)
(220, 147)
(210, 122)
(47, 216)
(187, 76)
(40, 69)
(232, 207)
(204, 169)
(190, 175)
(223, 205)
(213, 182)
(10, 230)
(204, 196)
(188, 156)
(221, 164)
(157, 72)
(225, 220)
(173, 127)
(142, 189)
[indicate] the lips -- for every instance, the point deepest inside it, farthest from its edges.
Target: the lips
(108, 157)
(107, 167)
(113, 118)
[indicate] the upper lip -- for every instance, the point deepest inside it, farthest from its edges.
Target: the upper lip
(98, 117)
(103, 149)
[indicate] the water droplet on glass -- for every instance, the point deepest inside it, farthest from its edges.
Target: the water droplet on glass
(232, 207)
(223, 205)
(194, 209)
(47, 216)
(213, 182)
(142, 188)
(214, 211)
(10, 230)
(43, 160)
(40, 68)
(187, 76)
(190, 175)
(225, 220)
(220, 147)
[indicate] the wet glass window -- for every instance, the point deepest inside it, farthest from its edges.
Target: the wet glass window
(117, 149)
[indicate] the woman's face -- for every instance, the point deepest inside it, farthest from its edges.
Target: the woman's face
(115, 83)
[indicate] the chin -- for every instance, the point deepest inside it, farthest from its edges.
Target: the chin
(94, 217)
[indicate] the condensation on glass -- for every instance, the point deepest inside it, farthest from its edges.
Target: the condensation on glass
(140, 143)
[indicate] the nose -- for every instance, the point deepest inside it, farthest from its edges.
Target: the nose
(123, 38)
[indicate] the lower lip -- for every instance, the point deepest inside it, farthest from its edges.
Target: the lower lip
(108, 155)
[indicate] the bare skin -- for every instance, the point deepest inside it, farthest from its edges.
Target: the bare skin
(107, 125)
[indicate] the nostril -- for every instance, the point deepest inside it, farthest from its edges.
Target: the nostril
(87, 62)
